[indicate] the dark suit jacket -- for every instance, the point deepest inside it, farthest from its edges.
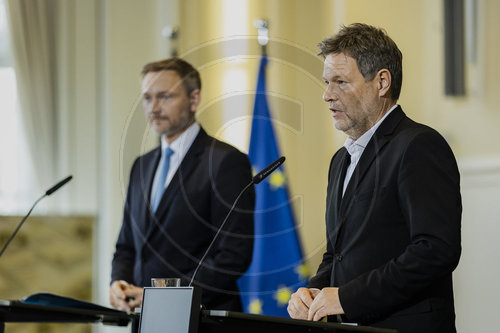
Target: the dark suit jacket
(393, 240)
(171, 242)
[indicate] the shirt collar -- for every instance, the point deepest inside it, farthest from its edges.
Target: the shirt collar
(363, 140)
(181, 145)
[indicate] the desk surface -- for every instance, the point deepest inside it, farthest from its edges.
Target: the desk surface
(211, 320)
(17, 311)
(228, 321)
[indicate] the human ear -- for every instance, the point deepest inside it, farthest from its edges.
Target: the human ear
(384, 81)
(194, 99)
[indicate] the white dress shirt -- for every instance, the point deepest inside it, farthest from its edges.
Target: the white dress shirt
(356, 148)
(180, 147)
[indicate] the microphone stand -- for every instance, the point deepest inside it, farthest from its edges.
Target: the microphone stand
(255, 180)
(218, 231)
(47, 193)
(20, 225)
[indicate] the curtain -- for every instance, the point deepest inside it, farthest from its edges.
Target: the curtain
(32, 38)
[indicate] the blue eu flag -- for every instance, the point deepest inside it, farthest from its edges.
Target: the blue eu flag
(277, 267)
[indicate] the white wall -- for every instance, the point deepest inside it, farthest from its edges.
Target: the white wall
(476, 280)
(77, 105)
(128, 36)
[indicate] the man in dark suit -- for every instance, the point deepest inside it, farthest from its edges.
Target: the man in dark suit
(178, 196)
(393, 201)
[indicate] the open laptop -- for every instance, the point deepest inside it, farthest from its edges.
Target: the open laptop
(172, 309)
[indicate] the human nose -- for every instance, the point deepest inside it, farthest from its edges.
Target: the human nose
(329, 94)
(155, 105)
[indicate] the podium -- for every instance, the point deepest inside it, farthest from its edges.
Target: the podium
(177, 310)
(210, 321)
(20, 312)
(215, 321)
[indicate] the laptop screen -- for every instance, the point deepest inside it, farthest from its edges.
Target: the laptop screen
(166, 309)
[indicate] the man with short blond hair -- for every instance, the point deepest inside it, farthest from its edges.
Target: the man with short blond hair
(178, 195)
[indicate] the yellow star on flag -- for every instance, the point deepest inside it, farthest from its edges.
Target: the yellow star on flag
(254, 170)
(282, 295)
(303, 271)
(255, 306)
(277, 179)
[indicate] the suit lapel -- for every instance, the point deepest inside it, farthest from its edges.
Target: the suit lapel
(147, 173)
(379, 139)
(340, 176)
(337, 175)
(187, 165)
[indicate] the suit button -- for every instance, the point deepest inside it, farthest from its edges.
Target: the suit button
(338, 257)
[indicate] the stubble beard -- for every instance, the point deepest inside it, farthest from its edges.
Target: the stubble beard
(176, 129)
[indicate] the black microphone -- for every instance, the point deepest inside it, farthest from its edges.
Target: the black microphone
(255, 180)
(58, 185)
(268, 170)
(48, 192)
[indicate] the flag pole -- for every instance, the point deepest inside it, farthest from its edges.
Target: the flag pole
(262, 26)
(277, 268)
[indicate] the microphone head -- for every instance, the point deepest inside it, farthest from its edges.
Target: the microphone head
(268, 170)
(58, 185)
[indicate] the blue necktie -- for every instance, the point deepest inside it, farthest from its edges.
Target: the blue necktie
(160, 185)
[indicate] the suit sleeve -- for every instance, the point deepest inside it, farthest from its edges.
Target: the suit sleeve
(232, 252)
(124, 257)
(322, 277)
(429, 198)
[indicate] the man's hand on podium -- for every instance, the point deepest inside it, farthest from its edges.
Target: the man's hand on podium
(326, 303)
(314, 304)
(124, 296)
(300, 302)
